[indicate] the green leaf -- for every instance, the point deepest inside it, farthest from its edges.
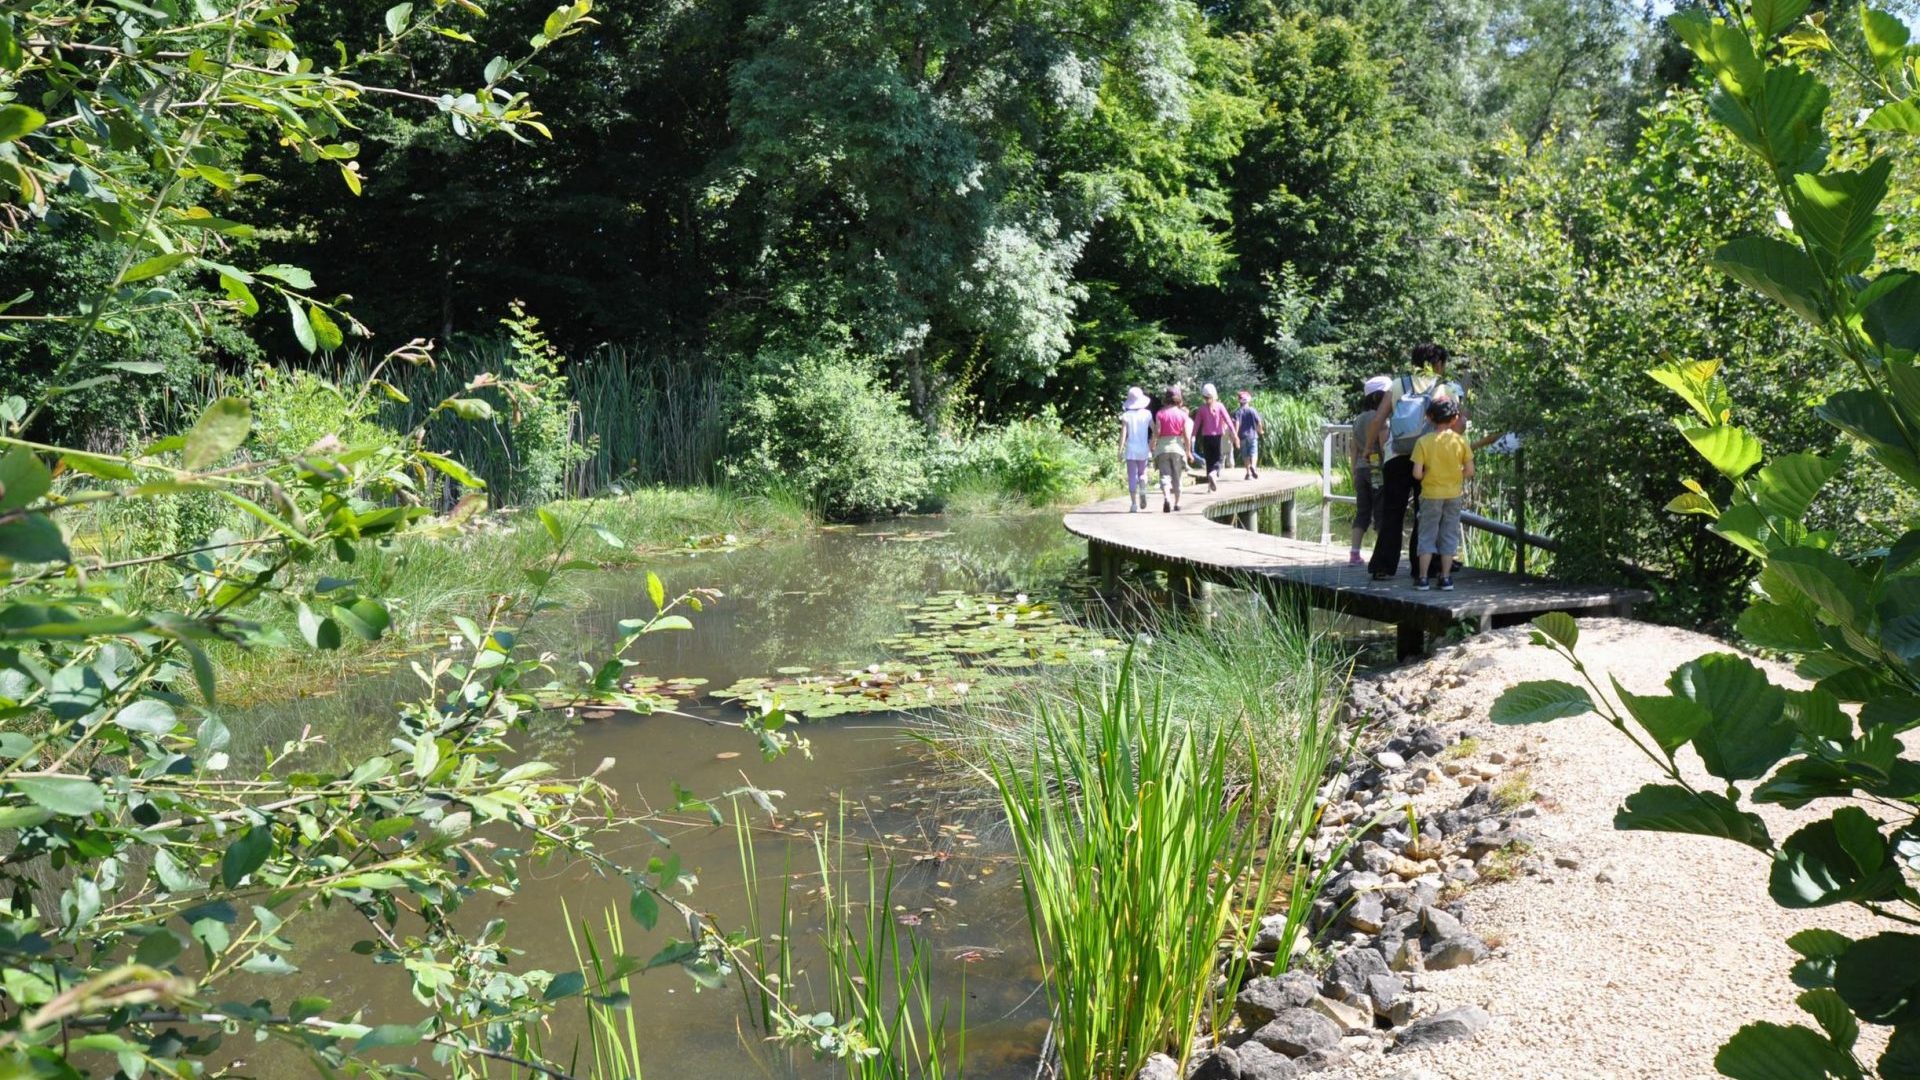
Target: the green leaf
(1902, 115)
(18, 121)
(656, 591)
(23, 817)
(1818, 943)
(1764, 1051)
(302, 325)
(1695, 383)
(1816, 869)
(426, 755)
(66, 796)
(148, 716)
(1688, 502)
(1770, 17)
(1733, 451)
(1901, 1061)
(1560, 627)
(564, 985)
(388, 1035)
(159, 948)
(1886, 38)
(293, 276)
(366, 619)
(1892, 317)
(326, 332)
(1748, 733)
(1672, 721)
(644, 908)
(470, 408)
(246, 854)
(453, 469)
(1674, 809)
(1826, 580)
(397, 17)
(1723, 49)
(1745, 527)
(222, 427)
(33, 539)
(1787, 485)
(1836, 210)
(1777, 270)
(1880, 978)
(1538, 702)
(552, 525)
(23, 478)
(154, 267)
(1776, 626)
(242, 296)
(669, 622)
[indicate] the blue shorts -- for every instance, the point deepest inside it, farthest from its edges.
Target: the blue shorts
(1249, 449)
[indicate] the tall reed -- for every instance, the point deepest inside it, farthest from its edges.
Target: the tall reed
(1141, 854)
(613, 1031)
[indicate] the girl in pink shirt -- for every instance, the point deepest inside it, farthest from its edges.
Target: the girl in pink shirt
(1172, 446)
(1215, 425)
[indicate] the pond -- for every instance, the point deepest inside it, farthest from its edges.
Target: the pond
(826, 600)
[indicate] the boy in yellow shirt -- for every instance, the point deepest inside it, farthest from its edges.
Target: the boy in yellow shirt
(1443, 463)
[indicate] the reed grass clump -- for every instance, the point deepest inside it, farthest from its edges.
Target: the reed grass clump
(1153, 837)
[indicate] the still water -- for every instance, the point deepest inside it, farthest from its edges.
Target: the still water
(823, 598)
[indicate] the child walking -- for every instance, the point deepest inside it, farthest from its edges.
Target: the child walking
(1172, 446)
(1443, 463)
(1251, 426)
(1362, 457)
(1215, 426)
(1136, 447)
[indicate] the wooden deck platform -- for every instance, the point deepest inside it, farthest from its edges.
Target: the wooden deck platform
(1214, 538)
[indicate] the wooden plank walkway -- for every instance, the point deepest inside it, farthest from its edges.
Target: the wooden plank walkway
(1201, 543)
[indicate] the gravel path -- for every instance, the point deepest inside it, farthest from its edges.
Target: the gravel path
(1642, 959)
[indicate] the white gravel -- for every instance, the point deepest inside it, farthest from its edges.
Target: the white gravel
(1641, 976)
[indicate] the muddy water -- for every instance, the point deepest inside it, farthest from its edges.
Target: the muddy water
(823, 598)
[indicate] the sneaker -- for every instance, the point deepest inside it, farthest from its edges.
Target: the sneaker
(1131, 508)
(1143, 500)
(1212, 484)
(1446, 584)
(1354, 559)
(1166, 507)
(1421, 585)
(1381, 577)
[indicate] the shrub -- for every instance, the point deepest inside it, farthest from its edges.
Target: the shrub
(1293, 428)
(1226, 365)
(1034, 461)
(294, 409)
(826, 426)
(1845, 612)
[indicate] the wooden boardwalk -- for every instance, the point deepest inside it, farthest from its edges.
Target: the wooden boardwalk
(1215, 538)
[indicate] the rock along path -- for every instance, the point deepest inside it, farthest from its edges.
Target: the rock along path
(1650, 949)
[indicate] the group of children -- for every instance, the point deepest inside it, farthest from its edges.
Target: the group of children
(1393, 454)
(1162, 432)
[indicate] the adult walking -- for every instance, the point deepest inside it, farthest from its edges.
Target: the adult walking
(1136, 447)
(1398, 425)
(1214, 425)
(1172, 446)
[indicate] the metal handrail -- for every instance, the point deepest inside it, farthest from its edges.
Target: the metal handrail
(1516, 533)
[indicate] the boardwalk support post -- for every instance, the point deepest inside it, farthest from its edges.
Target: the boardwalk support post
(1289, 517)
(1412, 639)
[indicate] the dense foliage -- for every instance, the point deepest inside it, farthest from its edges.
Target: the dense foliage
(1844, 608)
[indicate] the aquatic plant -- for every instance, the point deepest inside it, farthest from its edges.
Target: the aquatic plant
(965, 647)
(1141, 854)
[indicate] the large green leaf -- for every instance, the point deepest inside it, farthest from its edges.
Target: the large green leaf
(1836, 210)
(18, 121)
(1880, 978)
(1789, 113)
(1771, 17)
(1788, 484)
(33, 539)
(1745, 527)
(1560, 627)
(1830, 1011)
(1731, 450)
(1777, 626)
(69, 796)
(1538, 702)
(1826, 580)
(1892, 319)
(1723, 49)
(1886, 38)
(1822, 864)
(1902, 115)
(1777, 270)
(23, 478)
(1674, 809)
(1672, 721)
(1694, 382)
(1901, 1060)
(1763, 1051)
(246, 854)
(222, 427)
(1865, 415)
(1748, 734)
